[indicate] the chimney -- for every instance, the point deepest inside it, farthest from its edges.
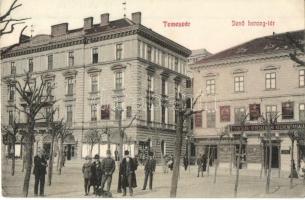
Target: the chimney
(104, 19)
(136, 17)
(59, 29)
(88, 23)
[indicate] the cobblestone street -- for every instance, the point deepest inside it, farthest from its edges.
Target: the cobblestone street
(70, 184)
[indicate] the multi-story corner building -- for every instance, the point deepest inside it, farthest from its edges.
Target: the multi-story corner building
(253, 79)
(100, 67)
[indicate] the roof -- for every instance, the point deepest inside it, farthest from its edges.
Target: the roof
(196, 52)
(113, 27)
(263, 45)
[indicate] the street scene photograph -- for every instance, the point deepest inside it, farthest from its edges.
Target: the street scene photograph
(152, 98)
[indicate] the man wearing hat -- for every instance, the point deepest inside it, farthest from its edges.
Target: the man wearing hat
(96, 169)
(127, 174)
(108, 167)
(150, 167)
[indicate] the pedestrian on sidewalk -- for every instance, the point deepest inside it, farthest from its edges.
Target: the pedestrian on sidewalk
(171, 163)
(96, 170)
(87, 174)
(199, 165)
(40, 170)
(185, 162)
(127, 175)
(150, 167)
(108, 167)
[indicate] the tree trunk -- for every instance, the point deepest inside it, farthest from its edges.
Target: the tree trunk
(23, 158)
(208, 161)
(28, 160)
(178, 147)
(61, 155)
(217, 162)
(231, 157)
(238, 165)
(121, 136)
(292, 163)
(269, 162)
(99, 147)
(108, 140)
(50, 169)
(13, 159)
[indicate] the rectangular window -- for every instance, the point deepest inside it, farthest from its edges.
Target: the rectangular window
(163, 114)
(10, 117)
(71, 58)
(302, 112)
(163, 86)
(188, 83)
(198, 120)
(94, 83)
(240, 113)
(162, 59)
(211, 119)
(271, 111)
(119, 51)
(118, 80)
(93, 112)
(50, 62)
(255, 111)
(69, 115)
(128, 112)
(11, 93)
(95, 55)
(238, 83)
(148, 52)
(210, 87)
(105, 112)
(176, 64)
(31, 65)
(70, 86)
(287, 110)
(225, 114)
(270, 80)
(302, 78)
(13, 68)
(118, 108)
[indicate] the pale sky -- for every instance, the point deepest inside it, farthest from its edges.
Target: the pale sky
(210, 20)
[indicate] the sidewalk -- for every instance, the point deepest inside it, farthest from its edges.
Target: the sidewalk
(70, 183)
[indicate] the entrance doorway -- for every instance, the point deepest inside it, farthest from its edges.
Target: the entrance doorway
(69, 151)
(211, 152)
(274, 156)
(144, 148)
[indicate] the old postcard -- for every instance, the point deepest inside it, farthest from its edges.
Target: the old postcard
(129, 98)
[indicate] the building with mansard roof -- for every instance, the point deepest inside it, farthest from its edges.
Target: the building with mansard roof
(95, 69)
(251, 81)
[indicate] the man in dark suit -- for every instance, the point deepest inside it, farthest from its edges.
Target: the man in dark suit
(127, 175)
(150, 167)
(96, 170)
(40, 165)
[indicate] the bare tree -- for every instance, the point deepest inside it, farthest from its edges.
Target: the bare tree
(298, 49)
(295, 135)
(92, 138)
(63, 133)
(10, 132)
(242, 123)
(35, 96)
(7, 22)
(222, 134)
(182, 114)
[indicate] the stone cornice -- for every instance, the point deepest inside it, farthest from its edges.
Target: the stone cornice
(69, 73)
(243, 59)
(92, 70)
(118, 66)
(100, 36)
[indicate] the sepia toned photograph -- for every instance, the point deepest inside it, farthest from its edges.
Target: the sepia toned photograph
(152, 98)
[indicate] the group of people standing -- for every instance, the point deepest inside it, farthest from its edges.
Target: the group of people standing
(98, 173)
